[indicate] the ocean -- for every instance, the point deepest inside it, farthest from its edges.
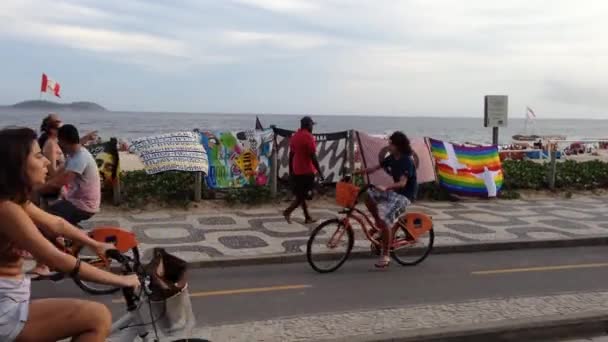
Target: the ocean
(128, 125)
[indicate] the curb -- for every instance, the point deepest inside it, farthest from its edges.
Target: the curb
(449, 249)
(544, 328)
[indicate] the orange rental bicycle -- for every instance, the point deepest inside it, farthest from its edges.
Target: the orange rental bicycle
(124, 241)
(331, 243)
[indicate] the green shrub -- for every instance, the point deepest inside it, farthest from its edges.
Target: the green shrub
(569, 175)
(172, 187)
(176, 188)
(249, 195)
(524, 174)
(582, 175)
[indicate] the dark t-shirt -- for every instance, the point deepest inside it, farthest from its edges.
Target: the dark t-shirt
(397, 168)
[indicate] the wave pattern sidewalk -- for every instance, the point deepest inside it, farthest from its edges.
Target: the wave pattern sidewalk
(200, 235)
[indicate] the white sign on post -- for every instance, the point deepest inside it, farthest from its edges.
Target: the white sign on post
(496, 110)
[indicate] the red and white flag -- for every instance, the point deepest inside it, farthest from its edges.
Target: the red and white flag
(49, 85)
(530, 113)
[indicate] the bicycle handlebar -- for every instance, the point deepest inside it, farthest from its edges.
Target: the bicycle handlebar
(128, 292)
(123, 260)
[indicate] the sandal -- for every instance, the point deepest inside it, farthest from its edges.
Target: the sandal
(383, 264)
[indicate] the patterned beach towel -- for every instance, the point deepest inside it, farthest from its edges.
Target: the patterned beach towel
(181, 151)
(238, 159)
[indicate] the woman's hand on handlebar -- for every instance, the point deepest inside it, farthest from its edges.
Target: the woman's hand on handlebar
(101, 248)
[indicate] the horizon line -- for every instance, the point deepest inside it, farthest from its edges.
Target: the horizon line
(415, 116)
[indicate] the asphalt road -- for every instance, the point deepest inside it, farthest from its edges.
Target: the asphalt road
(250, 293)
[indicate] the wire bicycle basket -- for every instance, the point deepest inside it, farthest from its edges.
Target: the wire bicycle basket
(169, 299)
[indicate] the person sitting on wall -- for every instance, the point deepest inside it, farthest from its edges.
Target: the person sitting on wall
(81, 177)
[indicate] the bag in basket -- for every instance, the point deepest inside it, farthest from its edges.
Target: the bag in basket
(170, 299)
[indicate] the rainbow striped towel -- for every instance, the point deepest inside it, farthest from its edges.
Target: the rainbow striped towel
(468, 171)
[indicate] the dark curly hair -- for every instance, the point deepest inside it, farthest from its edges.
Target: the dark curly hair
(15, 147)
(402, 143)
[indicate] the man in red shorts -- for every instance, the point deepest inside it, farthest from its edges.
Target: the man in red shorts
(303, 165)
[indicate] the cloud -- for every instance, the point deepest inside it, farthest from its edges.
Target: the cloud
(47, 10)
(281, 5)
(576, 93)
(396, 55)
(101, 40)
(277, 40)
(82, 27)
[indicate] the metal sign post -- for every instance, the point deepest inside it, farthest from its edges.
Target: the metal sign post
(496, 113)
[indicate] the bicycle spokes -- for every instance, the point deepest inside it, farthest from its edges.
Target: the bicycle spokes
(329, 245)
(337, 236)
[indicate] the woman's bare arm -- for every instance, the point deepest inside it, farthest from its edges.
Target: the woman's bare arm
(17, 226)
(58, 226)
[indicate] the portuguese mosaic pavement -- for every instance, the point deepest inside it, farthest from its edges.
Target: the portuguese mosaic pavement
(199, 235)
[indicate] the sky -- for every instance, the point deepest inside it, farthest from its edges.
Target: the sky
(373, 57)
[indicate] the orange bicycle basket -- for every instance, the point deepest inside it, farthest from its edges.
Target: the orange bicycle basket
(346, 194)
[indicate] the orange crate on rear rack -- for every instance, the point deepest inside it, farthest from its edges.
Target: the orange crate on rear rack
(346, 194)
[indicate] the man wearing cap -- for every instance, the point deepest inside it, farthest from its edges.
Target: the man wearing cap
(303, 165)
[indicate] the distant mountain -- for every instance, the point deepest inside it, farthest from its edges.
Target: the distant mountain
(49, 105)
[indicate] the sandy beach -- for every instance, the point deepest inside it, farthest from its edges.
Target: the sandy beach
(130, 162)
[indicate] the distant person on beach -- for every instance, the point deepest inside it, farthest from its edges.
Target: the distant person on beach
(51, 123)
(303, 165)
(50, 144)
(80, 175)
(386, 204)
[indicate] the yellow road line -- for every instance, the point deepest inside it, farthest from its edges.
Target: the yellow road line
(239, 291)
(540, 269)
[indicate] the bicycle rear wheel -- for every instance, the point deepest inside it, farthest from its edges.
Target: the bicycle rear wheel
(88, 255)
(329, 246)
(410, 252)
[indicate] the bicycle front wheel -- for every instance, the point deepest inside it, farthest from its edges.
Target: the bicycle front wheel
(88, 255)
(329, 246)
(409, 252)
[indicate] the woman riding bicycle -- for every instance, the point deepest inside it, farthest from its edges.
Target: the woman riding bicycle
(386, 204)
(24, 168)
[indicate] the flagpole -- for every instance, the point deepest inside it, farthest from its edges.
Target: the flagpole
(526, 122)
